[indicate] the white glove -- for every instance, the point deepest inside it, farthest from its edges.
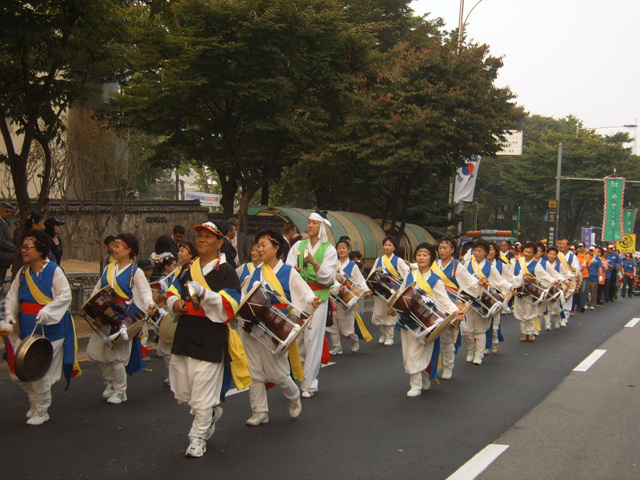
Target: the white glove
(198, 289)
(600, 278)
(41, 318)
(6, 327)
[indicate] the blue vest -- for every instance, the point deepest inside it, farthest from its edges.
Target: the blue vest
(531, 266)
(282, 275)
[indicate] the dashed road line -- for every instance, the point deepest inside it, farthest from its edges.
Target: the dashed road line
(589, 361)
(632, 323)
(479, 462)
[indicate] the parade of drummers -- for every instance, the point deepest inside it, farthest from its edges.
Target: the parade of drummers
(232, 219)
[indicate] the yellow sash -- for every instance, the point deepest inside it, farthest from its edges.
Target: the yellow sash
(390, 268)
(476, 268)
(524, 267)
(111, 275)
(504, 258)
(239, 364)
(564, 261)
(270, 277)
(363, 330)
(440, 272)
(36, 293)
(423, 284)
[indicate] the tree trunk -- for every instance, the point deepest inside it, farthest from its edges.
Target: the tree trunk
(245, 199)
(264, 200)
(229, 187)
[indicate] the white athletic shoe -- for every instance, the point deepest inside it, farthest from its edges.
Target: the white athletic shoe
(446, 374)
(109, 390)
(217, 413)
(256, 419)
(117, 398)
(295, 408)
(355, 343)
(32, 410)
(389, 341)
(414, 392)
(197, 448)
(336, 351)
(38, 418)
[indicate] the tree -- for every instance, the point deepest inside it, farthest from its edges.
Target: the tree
(50, 52)
(243, 87)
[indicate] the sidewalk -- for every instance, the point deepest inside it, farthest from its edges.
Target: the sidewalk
(588, 428)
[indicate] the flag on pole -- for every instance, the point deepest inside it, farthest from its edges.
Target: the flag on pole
(466, 182)
(612, 223)
(629, 220)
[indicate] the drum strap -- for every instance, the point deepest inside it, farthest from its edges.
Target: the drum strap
(440, 272)
(113, 281)
(270, 277)
(36, 293)
(229, 303)
(390, 268)
(423, 284)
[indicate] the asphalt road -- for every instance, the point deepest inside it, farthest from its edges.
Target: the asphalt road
(360, 425)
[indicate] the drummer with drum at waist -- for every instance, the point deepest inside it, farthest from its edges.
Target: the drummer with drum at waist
(391, 264)
(416, 356)
(456, 278)
(475, 326)
(132, 288)
(317, 261)
(281, 280)
(39, 299)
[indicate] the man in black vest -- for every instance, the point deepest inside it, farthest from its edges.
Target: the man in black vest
(200, 349)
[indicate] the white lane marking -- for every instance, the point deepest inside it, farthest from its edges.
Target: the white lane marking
(589, 361)
(235, 391)
(479, 462)
(633, 322)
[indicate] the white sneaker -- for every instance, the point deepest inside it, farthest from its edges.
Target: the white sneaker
(477, 360)
(197, 448)
(336, 351)
(355, 344)
(256, 419)
(217, 413)
(591, 308)
(446, 374)
(426, 383)
(295, 408)
(38, 418)
(470, 356)
(117, 398)
(307, 394)
(389, 341)
(109, 390)
(382, 339)
(32, 410)
(495, 349)
(414, 392)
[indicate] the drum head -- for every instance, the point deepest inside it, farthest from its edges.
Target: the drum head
(33, 358)
(132, 331)
(249, 295)
(167, 329)
(436, 332)
(87, 309)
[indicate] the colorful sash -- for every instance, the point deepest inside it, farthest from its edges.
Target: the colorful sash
(390, 268)
(438, 270)
(295, 361)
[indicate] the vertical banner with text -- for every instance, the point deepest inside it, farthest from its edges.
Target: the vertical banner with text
(612, 223)
(629, 220)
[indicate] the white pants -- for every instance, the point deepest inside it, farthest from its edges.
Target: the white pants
(447, 347)
(526, 313)
(343, 322)
(474, 330)
(265, 367)
(310, 344)
(198, 384)
(112, 363)
(381, 314)
(39, 391)
(415, 355)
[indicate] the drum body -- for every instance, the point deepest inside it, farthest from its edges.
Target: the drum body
(383, 285)
(284, 327)
(106, 309)
(532, 292)
(409, 304)
(353, 291)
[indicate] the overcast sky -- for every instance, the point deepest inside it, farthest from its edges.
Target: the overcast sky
(561, 57)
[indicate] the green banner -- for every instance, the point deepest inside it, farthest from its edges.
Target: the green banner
(612, 224)
(629, 220)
